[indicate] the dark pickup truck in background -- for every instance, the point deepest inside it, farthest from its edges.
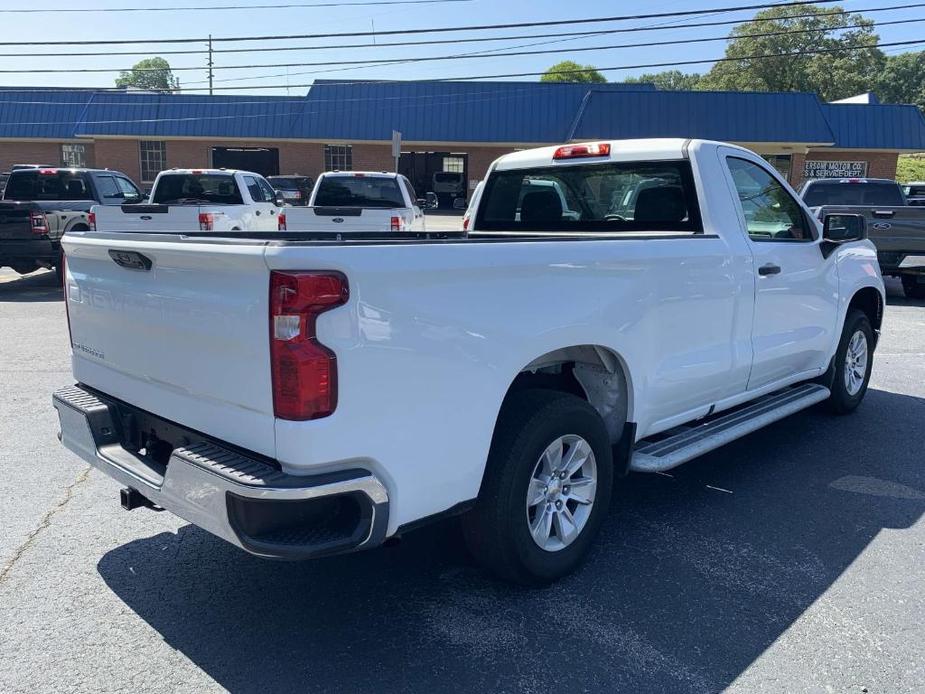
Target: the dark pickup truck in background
(39, 205)
(896, 228)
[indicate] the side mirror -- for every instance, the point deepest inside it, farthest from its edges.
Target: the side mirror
(841, 228)
(432, 202)
(279, 200)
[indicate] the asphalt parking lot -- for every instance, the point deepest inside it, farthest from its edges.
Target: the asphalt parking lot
(792, 560)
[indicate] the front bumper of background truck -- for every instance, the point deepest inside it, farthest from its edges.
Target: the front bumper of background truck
(240, 497)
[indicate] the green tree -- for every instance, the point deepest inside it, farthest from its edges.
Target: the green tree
(910, 167)
(672, 80)
(570, 71)
(832, 75)
(151, 73)
(902, 80)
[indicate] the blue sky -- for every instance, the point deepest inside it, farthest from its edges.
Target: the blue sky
(253, 21)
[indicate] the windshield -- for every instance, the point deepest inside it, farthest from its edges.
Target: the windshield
(637, 196)
(33, 184)
(218, 189)
(860, 193)
(358, 191)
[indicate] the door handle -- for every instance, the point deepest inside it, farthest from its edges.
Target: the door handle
(272, 211)
(769, 269)
(257, 212)
(884, 213)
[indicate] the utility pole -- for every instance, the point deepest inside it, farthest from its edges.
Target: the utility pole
(210, 65)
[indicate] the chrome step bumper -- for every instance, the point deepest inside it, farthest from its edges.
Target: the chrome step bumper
(667, 453)
(242, 499)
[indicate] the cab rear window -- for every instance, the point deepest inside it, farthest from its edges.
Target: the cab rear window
(53, 184)
(610, 197)
(859, 193)
(359, 191)
(192, 189)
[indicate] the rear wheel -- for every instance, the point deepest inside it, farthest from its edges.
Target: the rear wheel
(914, 286)
(546, 488)
(853, 362)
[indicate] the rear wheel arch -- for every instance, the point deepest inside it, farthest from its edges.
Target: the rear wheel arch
(592, 372)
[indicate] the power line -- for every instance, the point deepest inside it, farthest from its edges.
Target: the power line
(432, 30)
(639, 66)
(476, 39)
(228, 7)
(582, 49)
(459, 56)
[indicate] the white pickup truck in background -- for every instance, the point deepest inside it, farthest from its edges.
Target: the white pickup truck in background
(358, 201)
(197, 199)
(508, 374)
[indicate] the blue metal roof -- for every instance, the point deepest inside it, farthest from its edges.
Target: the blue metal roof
(735, 116)
(44, 113)
(516, 112)
(882, 126)
(489, 112)
(191, 115)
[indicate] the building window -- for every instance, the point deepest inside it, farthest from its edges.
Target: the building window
(74, 156)
(454, 164)
(781, 162)
(153, 159)
(338, 158)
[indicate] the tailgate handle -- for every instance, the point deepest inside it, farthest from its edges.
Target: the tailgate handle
(884, 213)
(131, 260)
(146, 217)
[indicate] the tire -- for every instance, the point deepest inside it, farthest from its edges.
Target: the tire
(848, 391)
(913, 288)
(498, 529)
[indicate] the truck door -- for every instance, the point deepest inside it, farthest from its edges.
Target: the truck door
(264, 210)
(796, 289)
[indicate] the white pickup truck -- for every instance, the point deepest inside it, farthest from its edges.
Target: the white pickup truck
(197, 199)
(301, 395)
(358, 201)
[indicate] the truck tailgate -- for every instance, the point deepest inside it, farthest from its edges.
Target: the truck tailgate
(187, 338)
(339, 219)
(15, 222)
(142, 217)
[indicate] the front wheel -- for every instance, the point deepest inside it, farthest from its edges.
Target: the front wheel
(853, 362)
(546, 488)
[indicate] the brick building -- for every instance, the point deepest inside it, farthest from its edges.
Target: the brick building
(446, 126)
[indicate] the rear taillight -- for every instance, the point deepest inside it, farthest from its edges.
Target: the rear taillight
(281, 222)
(39, 222)
(206, 221)
(466, 223)
(601, 149)
(91, 221)
(396, 224)
(304, 371)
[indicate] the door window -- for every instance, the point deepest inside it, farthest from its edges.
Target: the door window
(109, 192)
(771, 213)
(269, 195)
(128, 189)
(254, 189)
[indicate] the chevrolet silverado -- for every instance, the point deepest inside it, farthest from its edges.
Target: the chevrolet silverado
(301, 395)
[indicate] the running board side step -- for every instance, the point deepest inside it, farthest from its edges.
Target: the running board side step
(694, 441)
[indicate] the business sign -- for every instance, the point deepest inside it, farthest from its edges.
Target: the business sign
(834, 169)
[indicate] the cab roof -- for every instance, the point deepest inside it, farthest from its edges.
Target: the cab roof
(620, 150)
